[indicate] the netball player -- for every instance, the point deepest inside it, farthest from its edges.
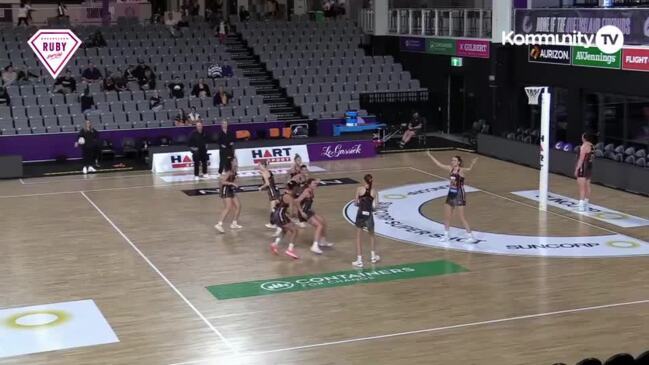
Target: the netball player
(584, 170)
(300, 179)
(273, 192)
(366, 200)
(296, 167)
(456, 198)
(305, 204)
(284, 209)
(229, 195)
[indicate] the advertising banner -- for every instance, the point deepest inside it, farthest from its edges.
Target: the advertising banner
(341, 150)
(635, 59)
(472, 48)
(593, 57)
(412, 44)
(558, 55)
(440, 46)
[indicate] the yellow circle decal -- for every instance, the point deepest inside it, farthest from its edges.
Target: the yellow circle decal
(37, 319)
(623, 244)
(394, 196)
(610, 215)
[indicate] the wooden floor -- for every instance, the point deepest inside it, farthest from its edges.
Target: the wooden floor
(69, 238)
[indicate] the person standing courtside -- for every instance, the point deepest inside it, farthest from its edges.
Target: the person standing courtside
(226, 146)
(88, 139)
(198, 146)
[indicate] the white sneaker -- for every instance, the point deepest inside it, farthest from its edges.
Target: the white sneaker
(206, 176)
(91, 169)
(196, 178)
(375, 259)
(316, 250)
(278, 232)
(235, 226)
(358, 263)
(470, 239)
(581, 206)
(219, 228)
(324, 243)
(85, 170)
(301, 224)
(271, 226)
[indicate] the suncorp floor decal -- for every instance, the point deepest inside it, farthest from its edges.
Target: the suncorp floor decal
(399, 217)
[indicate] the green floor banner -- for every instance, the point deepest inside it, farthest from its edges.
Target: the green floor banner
(334, 279)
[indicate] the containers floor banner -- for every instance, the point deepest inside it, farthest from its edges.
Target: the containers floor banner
(335, 279)
(595, 211)
(398, 217)
(50, 327)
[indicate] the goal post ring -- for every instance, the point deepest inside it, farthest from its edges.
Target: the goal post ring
(533, 94)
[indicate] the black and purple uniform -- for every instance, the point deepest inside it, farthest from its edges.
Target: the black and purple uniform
(456, 195)
(585, 170)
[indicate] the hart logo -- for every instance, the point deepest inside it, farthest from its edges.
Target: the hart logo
(276, 285)
(182, 161)
(272, 155)
(54, 47)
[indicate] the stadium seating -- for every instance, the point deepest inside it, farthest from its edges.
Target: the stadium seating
(322, 66)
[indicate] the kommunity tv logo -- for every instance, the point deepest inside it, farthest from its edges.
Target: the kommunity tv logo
(609, 39)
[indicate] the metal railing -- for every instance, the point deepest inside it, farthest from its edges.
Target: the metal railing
(465, 23)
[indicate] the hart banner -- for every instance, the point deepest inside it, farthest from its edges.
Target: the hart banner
(54, 47)
(634, 23)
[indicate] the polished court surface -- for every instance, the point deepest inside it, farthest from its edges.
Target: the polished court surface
(145, 252)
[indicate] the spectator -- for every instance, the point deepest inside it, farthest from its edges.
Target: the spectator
(91, 73)
(95, 40)
(140, 69)
(414, 126)
(147, 81)
(87, 101)
(176, 88)
(172, 24)
(9, 75)
(198, 147)
(181, 118)
(244, 14)
(193, 117)
(222, 97)
(108, 84)
(23, 13)
(5, 99)
(121, 83)
(65, 84)
(155, 101)
(226, 146)
(221, 31)
(62, 12)
(88, 139)
(201, 90)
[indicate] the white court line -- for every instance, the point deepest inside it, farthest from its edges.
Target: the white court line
(430, 330)
(233, 315)
(22, 181)
(171, 285)
(520, 202)
(165, 185)
(87, 178)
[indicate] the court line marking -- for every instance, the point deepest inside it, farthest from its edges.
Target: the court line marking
(522, 203)
(165, 185)
(22, 181)
(169, 283)
(233, 315)
(429, 330)
(87, 178)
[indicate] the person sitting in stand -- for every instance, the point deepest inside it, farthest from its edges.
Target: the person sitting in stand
(222, 97)
(181, 118)
(155, 101)
(65, 84)
(176, 88)
(91, 73)
(86, 100)
(108, 84)
(147, 81)
(95, 40)
(201, 90)
(414, 126)
(244, 14)
(193, 117)
(5, 99)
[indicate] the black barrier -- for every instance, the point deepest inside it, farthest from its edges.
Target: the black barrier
(606, 172)
(253, 188)
(11, 167)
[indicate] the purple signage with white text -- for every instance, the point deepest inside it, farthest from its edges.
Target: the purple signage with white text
(472, 48)
(412, 44)
(341, 150)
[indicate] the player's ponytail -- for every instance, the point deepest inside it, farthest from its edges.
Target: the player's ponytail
(368, 180)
